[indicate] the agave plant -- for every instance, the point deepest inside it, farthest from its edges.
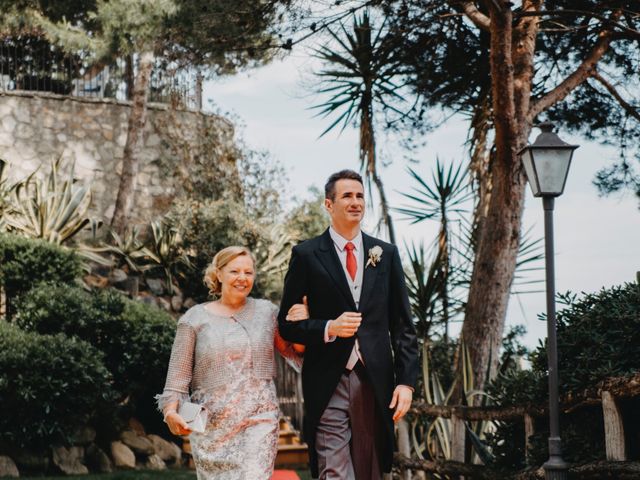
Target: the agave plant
(165, 251)
(53, 208)
(6, 191)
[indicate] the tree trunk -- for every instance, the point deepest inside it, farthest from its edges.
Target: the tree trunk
(131, 155)
(499, 231)
(368, 160)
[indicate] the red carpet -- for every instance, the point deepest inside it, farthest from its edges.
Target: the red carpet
(285, 475)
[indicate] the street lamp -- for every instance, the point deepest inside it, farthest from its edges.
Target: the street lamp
(546, 163)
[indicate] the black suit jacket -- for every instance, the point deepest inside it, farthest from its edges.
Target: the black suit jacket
(386, 335)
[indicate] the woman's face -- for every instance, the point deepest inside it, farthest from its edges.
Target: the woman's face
(236, 277)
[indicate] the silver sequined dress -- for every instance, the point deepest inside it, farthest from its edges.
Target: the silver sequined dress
(226, 363)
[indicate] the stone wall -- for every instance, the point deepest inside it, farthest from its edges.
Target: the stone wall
(36, 128)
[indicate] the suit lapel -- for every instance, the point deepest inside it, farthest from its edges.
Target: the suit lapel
(328, 257)
(369, 274)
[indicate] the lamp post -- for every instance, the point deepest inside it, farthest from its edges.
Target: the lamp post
(546, 163)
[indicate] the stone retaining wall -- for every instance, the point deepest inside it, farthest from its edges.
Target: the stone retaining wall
(37, 127)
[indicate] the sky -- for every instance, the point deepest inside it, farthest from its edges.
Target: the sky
(597, 240)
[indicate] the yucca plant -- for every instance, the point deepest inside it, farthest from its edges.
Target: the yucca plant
(436, 277)
(433, 437)
(362, 75)
(54, 208)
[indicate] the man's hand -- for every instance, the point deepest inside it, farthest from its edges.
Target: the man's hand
(401, 401)
(299, 311)
(346, 325)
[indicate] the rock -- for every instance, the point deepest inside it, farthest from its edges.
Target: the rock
(164, 304)
(148, 300)
(176, 303)
(176, 290)
(96, 281)
(69, 460)
(188, 303)
(136, 426)
(122, 455)
(117, 276)
(167, 451)
(83, 436)
(155, 285)
(8, 468)
(97, 460)
(31, 461)
(154, 462)
(137, 443)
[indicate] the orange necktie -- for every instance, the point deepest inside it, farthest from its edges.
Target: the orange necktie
(352, 267)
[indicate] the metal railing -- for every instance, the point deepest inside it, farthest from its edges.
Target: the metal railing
(30, 63)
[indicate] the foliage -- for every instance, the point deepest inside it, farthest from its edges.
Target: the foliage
(309, 218)
(224, 36)
(207, 227)
(436, 286)
(49, 387)
(438, 280)
(362, 77)
(6, 191)
(54, 208)
(166, 252)
(598, 337)
(434, 436)
(135, 338)
(25, 262)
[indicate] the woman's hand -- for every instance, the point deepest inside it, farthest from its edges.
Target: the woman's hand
(176, 424)
(299, 311)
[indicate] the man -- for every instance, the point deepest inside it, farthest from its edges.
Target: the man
(361, 357)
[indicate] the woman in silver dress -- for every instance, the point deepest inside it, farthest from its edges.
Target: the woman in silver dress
(223, 359)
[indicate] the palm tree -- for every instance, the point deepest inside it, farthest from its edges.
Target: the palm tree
(361, 78)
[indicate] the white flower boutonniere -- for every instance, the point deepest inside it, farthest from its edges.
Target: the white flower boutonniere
(375, 254)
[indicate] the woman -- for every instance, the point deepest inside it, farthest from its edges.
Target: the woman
(224, 354)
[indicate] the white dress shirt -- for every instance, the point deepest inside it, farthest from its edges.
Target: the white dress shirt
(355, 285)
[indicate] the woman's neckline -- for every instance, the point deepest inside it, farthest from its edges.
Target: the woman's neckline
(205, 306)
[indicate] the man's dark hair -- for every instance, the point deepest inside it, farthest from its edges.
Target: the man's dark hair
(330, 186)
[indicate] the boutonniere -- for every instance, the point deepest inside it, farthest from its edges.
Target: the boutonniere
(375, 254)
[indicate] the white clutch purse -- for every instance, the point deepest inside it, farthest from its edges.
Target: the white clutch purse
(195, 415)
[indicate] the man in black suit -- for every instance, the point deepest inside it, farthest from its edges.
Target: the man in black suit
(361, 358)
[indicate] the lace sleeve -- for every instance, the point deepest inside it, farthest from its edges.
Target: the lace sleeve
(285, 348)
(180, 369)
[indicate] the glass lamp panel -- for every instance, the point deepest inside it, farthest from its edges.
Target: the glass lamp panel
(527, 161)
(552, 166)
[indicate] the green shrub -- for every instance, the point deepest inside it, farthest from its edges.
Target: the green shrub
(49, 386)
(135, 338)
(598, 338)
(207, 227)
(25, 262)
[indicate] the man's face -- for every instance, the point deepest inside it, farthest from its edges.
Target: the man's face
(347, 207)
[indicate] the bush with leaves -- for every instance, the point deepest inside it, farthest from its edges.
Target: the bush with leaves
(50, 385)
(207, 227)
(25, 262)
(598, 338)
(135, 338)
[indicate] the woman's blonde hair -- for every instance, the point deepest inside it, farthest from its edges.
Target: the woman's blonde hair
(220, 260)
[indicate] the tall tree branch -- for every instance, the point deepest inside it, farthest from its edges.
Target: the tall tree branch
(478, 18)
(630, 109)
(584, 70)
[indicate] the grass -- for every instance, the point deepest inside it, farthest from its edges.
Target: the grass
(144, 475)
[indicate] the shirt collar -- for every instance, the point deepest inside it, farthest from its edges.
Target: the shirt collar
(340, 241)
